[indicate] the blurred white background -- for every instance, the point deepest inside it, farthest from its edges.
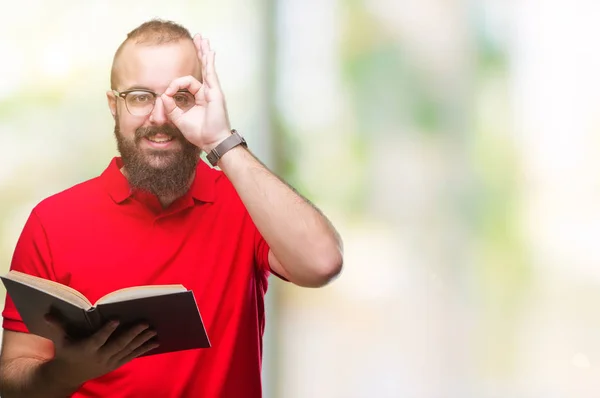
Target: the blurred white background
(455, 145)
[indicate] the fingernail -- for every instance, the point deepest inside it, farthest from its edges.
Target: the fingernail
(114, 324)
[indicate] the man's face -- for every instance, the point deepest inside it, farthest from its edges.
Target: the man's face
(155, 154)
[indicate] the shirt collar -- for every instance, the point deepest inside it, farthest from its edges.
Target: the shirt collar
(117, 186)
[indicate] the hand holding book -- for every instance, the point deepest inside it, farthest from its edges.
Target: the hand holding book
(76, 362)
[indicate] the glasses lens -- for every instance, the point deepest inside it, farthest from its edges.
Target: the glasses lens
(139, 103)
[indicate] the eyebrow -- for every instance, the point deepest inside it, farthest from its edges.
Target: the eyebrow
(139, 88)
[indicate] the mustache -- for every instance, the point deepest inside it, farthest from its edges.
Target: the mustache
(145, 132)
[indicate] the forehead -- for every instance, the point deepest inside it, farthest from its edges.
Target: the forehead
(155, 66)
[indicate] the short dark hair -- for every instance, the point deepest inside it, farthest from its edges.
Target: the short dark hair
(153, 32)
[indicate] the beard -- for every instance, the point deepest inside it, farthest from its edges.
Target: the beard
(163, 172)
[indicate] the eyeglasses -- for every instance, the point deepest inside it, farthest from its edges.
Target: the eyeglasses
(140, 102)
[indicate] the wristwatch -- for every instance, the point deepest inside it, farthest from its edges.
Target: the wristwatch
(227, 144)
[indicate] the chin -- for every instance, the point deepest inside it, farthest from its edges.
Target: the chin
(160, 160)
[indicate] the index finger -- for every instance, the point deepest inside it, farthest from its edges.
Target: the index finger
(56, 328)
(189, 83)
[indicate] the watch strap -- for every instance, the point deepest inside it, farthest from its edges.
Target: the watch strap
(226, 145)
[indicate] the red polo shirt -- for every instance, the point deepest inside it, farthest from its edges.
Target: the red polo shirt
(98, 237)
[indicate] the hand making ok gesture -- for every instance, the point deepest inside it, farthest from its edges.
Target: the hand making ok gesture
(205, 124)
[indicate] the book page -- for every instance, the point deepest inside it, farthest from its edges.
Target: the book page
(135, 292)
(53, 288)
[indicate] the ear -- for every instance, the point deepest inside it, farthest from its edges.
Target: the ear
(112, 103)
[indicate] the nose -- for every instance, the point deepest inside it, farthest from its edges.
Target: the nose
(158, 114)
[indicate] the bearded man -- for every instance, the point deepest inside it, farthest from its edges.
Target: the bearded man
(158, 214)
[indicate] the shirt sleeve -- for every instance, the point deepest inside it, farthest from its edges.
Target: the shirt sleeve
(261, 251)
(31, 256)
(261, 254)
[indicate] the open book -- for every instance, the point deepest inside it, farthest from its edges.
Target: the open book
(170, 310)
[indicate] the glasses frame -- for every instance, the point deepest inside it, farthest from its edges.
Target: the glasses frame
(123, 95)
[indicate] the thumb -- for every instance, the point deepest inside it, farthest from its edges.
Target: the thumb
(55, 328)
(173, 112)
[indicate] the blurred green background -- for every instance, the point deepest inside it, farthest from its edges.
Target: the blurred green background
(453, 143)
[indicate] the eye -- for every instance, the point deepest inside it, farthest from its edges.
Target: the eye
(140, 98)
(183, 99)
